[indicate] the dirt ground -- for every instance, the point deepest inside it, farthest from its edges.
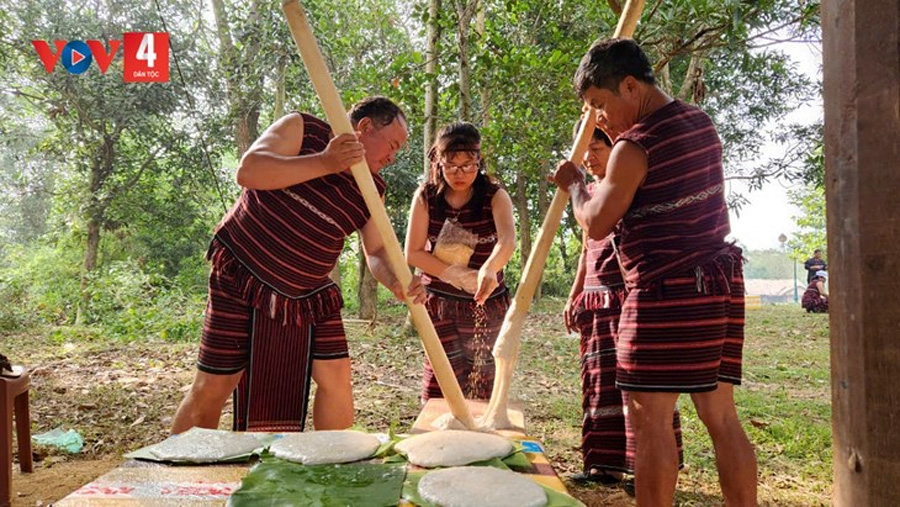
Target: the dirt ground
(54, 480)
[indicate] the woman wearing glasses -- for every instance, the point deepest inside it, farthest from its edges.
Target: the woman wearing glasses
(461, 234)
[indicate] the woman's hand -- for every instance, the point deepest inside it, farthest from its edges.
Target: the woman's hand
(461, 277)
(569, 315)
(487, 282)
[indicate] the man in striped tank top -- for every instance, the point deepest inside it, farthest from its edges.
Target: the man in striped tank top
(681, 326)
(273, 321)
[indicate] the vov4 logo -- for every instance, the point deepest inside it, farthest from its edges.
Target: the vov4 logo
(146, 56)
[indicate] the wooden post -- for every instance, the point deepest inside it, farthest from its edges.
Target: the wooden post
(340, 123)
(862, 155)
(506, 349)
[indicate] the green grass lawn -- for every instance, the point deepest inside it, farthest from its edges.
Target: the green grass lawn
(122, 395)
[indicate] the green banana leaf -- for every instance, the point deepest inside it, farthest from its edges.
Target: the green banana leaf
(278, 482)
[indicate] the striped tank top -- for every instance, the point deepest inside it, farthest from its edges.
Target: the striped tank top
(291, 239)
(481, 225)
(678, 218)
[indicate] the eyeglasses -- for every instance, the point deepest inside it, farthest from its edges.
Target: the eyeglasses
(455, 169)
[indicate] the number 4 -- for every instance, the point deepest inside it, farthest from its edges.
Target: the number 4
(145, 50)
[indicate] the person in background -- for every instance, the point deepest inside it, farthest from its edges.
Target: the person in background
(815, 298)
(814, 264)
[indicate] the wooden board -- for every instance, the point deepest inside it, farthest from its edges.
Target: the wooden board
(436, 407)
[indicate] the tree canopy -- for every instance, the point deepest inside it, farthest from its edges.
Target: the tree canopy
(118, 185)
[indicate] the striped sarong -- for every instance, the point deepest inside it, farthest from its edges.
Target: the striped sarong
(813, 301)
(468, 339)
(275, 353)
(685, 332)
(607, 436)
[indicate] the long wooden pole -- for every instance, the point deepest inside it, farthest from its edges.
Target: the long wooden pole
(340, 123)
(506, 349)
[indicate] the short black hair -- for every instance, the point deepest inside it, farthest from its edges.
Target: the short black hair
(608, 62)
(817, 250)
(381, 110)
(597, 135)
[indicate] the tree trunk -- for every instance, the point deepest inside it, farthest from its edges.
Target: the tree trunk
(615, 6)
(692, 86)
(664, 79)
(251, 102)
(465, 9)
(485, 91)
(244, 109)
(367, 290)
(431, 84)
(90, 262)
(101, 168)
(563, 251)
(278, 110)
(246, 129)
(521, 203)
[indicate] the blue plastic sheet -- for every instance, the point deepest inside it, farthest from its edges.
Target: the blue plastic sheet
(70, 441)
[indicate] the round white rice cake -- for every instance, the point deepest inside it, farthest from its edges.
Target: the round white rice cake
(478, 486)
(450, 448)
(201, 445)
(325, 447)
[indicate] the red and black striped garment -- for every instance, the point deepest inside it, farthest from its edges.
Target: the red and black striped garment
(681, 328)
(678, 218)
(457, 323)
(607, 435)
(481, 224)
(687, 333)
(467, 334)
(276, 358)
(601, 261)
(290, 239)
(813, 301)
(272, 308)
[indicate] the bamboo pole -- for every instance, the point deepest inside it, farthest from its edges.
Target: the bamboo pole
(340, 123)
(506, 349)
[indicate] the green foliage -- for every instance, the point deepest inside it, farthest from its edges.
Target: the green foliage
(40, 284)
(812, 234)
(28, 176)
(281, 482)
(153, 164)
(125, 304)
